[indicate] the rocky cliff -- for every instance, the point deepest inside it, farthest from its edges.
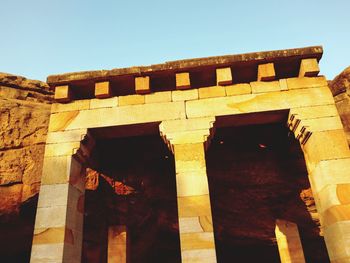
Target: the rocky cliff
(24, 114)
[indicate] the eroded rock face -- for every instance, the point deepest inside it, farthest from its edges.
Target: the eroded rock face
(24, 115)
(340, 88)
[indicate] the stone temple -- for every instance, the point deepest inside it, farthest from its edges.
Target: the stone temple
(238, 158)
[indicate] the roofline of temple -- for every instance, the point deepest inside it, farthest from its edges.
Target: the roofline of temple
(247, 59)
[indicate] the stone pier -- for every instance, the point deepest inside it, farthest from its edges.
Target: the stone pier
(118, 244)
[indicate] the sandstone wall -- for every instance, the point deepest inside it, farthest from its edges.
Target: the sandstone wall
(24, 115)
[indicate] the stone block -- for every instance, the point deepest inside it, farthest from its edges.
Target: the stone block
(183, 80)
(142, 85)
(59, 121)
(102, 90)
(327, 197)
(63, 93)
(283, 84)
(211, 92)
(187, 137)
(56, 170)
(65, 136)
(260, 86)
(335, 214)
(314, 112)
(131, 100)
(183, 95)
(52, 216)
(303, 83)
(55, 194)
(47, 253)
(60, 149)
(173, 126)
(337, 237)
(266, 72)
(191, 206)
(326, 145)
(104, 103)
(320, 124)
(199, 256)
(72, 106)
(238, 89)
(164, 96)
(49, 235)
(189, 157)
(309, 68)
(190, 225)
(192, 183)
(343, 193)
(203, 240)
(117, 244)
(331, 172)
(258, 102)
(223, 76)
(132, 114)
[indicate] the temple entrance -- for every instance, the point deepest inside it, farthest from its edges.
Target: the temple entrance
(256, 175)
(136, 194)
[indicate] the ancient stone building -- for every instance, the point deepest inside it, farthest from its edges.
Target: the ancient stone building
(239, 158)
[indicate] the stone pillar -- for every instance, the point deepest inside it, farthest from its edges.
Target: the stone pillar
(118, 244)
(188, 140)
(327, 157)
(58, 227)
(288, 241)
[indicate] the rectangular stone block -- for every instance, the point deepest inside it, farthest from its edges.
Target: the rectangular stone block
(49, 235)
(312, 112)
(47, 253)
(283, 84)
(211, 92)
(330, 172)
(65, 136)
(337, 238)
(72, 106)
(52, 216)
(104, 103)
(191, 206)
(202, 240)
(173, 126)
(327, 197)
(199, 256)
(103, 90)
(117, 244)
(320, 124)
(131, 114)
(258, 102)
(238, 89)
(192, 183)
(183, 80)
(189, 157)
(326, 145)
(61, 149)
(59, 121)
(131, 100)
(190, 225)
(164, 96)
(260, 86)
(302, 83)
(266, 72)
(142, 85)
(63, 93)
(337, 213)
(187, 137)
(183, 95)
(56, 170)
(56, 194)
(223, 76)
(309, 68)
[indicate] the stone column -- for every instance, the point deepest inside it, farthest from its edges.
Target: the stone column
(288, 241)
(118, 244)
(58, 228)
(188, 140)
(327, 157)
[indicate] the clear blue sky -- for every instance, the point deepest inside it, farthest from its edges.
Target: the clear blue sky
(43, 37)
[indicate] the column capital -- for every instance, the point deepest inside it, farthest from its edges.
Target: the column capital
(187, 131)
